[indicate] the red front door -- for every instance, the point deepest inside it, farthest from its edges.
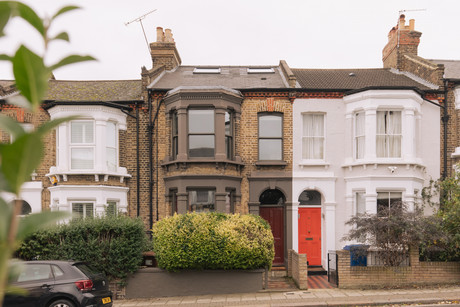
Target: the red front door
(275, 217)
(310, 234)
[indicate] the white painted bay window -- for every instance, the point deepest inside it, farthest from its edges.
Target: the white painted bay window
(388, 138)
(360, 135)
(313, 137)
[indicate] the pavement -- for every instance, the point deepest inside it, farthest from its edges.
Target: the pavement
(313, 297)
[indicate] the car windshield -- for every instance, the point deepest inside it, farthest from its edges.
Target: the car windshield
(86, 269)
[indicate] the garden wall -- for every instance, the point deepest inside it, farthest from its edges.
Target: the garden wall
(376, 276)
(156, 282)
(298, 269)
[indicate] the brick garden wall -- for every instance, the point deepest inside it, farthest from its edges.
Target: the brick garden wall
(298, 269)
(377, 276)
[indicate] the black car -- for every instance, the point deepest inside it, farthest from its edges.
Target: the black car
(60, 284)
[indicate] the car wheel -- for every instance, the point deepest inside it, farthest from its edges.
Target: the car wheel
(62, 303)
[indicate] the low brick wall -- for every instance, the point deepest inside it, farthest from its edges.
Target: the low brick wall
(416, 273)
(298, 269)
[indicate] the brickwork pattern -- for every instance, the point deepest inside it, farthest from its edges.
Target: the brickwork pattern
(298, 269)
(376, 276)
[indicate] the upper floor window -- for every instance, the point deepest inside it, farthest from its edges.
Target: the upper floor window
(229, 134)
(360, 203)
(112, 151)
(201, 135)
(270, 137)
(313, 136)
(388, 137)
(82, 144)
(359, 135)
(174, 135)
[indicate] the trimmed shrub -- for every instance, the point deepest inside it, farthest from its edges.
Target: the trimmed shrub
(112, 245)
(213, 241)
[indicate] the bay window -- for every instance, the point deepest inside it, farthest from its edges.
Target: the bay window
(388, 137)
(313, 137)
(359, 135)
(270, 137)
(201, 138)
(82, 144)
(83, 210)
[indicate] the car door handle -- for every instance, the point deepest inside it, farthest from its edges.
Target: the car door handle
(45, 286)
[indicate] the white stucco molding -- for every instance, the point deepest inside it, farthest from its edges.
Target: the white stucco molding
(457, 97)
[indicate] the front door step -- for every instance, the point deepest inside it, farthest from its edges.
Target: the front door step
(316, 270)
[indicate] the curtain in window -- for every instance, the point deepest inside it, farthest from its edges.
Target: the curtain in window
(388, 134)
(313, 136)
(359, 135)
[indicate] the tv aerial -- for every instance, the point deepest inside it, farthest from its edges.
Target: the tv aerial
(139, 19)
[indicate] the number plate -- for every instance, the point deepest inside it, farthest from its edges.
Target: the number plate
(106, 300)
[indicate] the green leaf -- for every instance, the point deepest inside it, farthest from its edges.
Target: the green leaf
(62, 36)
(19, 159)
(33, 222)
(71, 59)
(31, 75)
(5, 57)
(29, 15)
(50, 125)
(11, 126)
(5, 14)
(5, 218)
(65, 9)
(18, 100)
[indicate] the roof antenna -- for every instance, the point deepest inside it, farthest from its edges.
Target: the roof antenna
(139, 19)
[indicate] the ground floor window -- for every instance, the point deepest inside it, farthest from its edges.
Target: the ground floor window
(112, 208)
(387, 201)
(83, 210)
(230, 202)
(201, 200)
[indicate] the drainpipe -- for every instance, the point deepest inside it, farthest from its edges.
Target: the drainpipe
(445, 120)
(138, 179)
(150, 161)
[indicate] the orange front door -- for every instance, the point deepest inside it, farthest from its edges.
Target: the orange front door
(310, 234)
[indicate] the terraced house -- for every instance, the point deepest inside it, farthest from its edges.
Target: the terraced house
(304, 148)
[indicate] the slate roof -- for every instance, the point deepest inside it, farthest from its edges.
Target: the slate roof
(117, 90)
(234, 77)
(451, 68)
(355, 79)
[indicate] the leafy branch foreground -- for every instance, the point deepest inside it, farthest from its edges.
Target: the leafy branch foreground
(19, 158)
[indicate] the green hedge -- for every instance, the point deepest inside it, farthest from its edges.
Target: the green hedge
(213, 241)
(113, 245)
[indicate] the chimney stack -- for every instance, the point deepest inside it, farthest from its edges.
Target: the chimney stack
(402, 40)
(164, 51)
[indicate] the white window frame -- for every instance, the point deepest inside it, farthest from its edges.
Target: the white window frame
(387, 135)
(322, 138)
(358, 208)
(359, 138)
(84, 144)
(115, 148)
(84, 203)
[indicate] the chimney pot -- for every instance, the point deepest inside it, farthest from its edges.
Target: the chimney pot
(168, 36)
(411, 24)
(160, 35)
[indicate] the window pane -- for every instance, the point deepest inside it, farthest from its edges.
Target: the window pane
(313, 148)
(311, 198)
(111, 135)
(229, 147)
(201, 121)
(35, 272)
(111, 208)
(201, 200)
(270, 126)
(82, 132)
(313, 136)
(359, 135)
(360, 203)
(270, 149)
(112, 159)
(228, 124)
(82, 210)
(201, 146)
(313, 125)
(388, 134)
(82, 158)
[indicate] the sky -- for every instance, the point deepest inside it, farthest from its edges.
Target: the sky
(304, 33)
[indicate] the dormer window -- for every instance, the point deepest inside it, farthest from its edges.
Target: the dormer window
(206, 70)
(261, 70)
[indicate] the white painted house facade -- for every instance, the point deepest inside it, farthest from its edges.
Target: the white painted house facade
(354, 153)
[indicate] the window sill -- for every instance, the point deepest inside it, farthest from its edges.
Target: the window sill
(236, 162)
(271, 163)
(307, 163)
(63, 174)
